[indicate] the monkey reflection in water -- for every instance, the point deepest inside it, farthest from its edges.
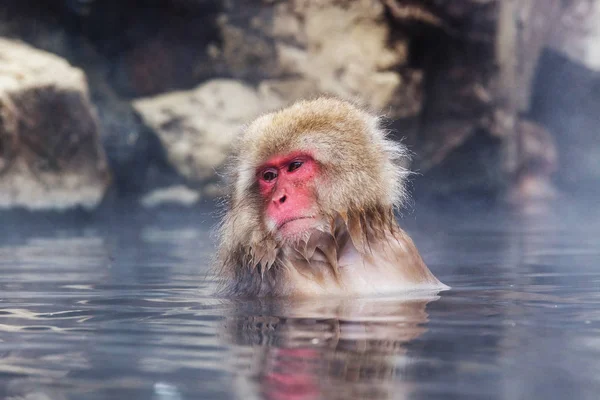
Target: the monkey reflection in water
(312, 194)
(331, 349)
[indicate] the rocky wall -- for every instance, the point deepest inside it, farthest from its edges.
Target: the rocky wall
(162, 89)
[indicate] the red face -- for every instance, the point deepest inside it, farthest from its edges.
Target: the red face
(287, 185)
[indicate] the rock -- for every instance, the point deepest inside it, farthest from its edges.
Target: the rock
(538, 162)
(539, 155)
(50, 152)
(479, 84)
(172, 195)
(457, 152)
(454, 77)
(469, 170)
(135, 155)
(197, 127)
(153, 49)
(578, 32)
(134, 152)
(303, 48)
(566, 101)
(149, 50)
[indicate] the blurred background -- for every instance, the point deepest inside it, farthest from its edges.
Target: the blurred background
(109, 101)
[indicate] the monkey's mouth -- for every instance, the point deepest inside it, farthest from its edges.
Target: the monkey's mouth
(292, 219)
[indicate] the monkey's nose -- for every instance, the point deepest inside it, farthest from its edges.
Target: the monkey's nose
(279, 198)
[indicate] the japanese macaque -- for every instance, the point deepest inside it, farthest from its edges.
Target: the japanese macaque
(312, 194)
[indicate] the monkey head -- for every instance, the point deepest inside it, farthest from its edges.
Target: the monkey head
(318, 157)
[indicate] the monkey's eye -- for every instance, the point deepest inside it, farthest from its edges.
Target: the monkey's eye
(268, 175)
(294, 165)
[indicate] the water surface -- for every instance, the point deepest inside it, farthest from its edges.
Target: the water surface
(122, 308)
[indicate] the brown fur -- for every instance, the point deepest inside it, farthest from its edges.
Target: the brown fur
(360, 184)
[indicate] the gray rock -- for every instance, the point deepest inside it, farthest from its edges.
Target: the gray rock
(135, 155)
(566, 101)
(50, 152)
(303, 48)
(577, 34)
(196, 127)
(173, 195)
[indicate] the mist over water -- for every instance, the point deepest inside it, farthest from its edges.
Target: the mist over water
(122, 307)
